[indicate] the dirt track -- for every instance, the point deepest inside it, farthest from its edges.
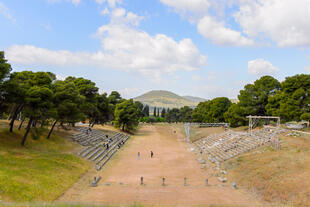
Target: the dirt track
(172, 160)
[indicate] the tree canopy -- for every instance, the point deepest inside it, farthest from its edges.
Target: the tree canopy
(43, 101)
(126, 115)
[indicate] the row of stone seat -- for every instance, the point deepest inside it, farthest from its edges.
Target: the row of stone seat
(221, 147)
(87, 137)
(90, 151)
(108, 154)
(98, 145)
(201, 125)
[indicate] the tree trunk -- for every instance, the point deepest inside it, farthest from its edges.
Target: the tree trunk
(34, 123)
(21, 124)
(93, 124)
(11, 111)
(16, 111)
(42, 123)
(123, 128)
(27, 131)
(50, 132)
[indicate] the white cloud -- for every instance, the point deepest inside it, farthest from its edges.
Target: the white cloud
(197, 11)
(75, 2)
(4, 11)
(111, 3)
(105, 11)
(59, 77)
(261, 67)
(220, 35)
(283, 22)
(183, 6)
(286, 22)
(197, 78)
(120, 16)
(130, 92)
(124, 48)
(210, 76)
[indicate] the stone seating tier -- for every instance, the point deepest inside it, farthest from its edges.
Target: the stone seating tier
(221, 147)
(95, 142)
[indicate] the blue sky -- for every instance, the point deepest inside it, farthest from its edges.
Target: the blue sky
(205, 48)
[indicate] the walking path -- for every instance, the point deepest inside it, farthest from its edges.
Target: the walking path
(172, 159)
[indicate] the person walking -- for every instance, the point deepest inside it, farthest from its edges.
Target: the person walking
(138, 155)
(152, 154)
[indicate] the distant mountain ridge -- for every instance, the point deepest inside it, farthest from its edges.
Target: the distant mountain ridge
(167, 99)
(194, 99)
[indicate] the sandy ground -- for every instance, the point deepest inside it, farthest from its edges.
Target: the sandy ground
(172, 159)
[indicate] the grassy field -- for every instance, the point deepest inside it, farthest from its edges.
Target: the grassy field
(40, 171)
(277, 176)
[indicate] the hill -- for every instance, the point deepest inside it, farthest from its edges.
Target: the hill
(194, 99)
(166, 99)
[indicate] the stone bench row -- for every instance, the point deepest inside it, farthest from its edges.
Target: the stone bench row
(227, 145)
(232, 152)
(92, 148)
(90, 138)
(106, 157)
(98, 151)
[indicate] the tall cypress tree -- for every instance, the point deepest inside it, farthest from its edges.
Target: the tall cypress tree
(146, 110)
(154, 112)
(158, 114)
(163, 113)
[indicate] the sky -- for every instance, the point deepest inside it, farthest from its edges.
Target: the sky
(204, 48)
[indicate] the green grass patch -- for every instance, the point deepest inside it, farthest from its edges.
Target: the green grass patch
(40, 171)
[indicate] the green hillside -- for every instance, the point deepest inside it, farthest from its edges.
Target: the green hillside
(165, 99)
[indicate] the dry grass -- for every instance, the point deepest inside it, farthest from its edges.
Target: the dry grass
(241, 128)
(196, 132)
(277, 176)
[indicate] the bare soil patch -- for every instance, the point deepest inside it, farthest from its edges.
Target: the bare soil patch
(172, 159)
